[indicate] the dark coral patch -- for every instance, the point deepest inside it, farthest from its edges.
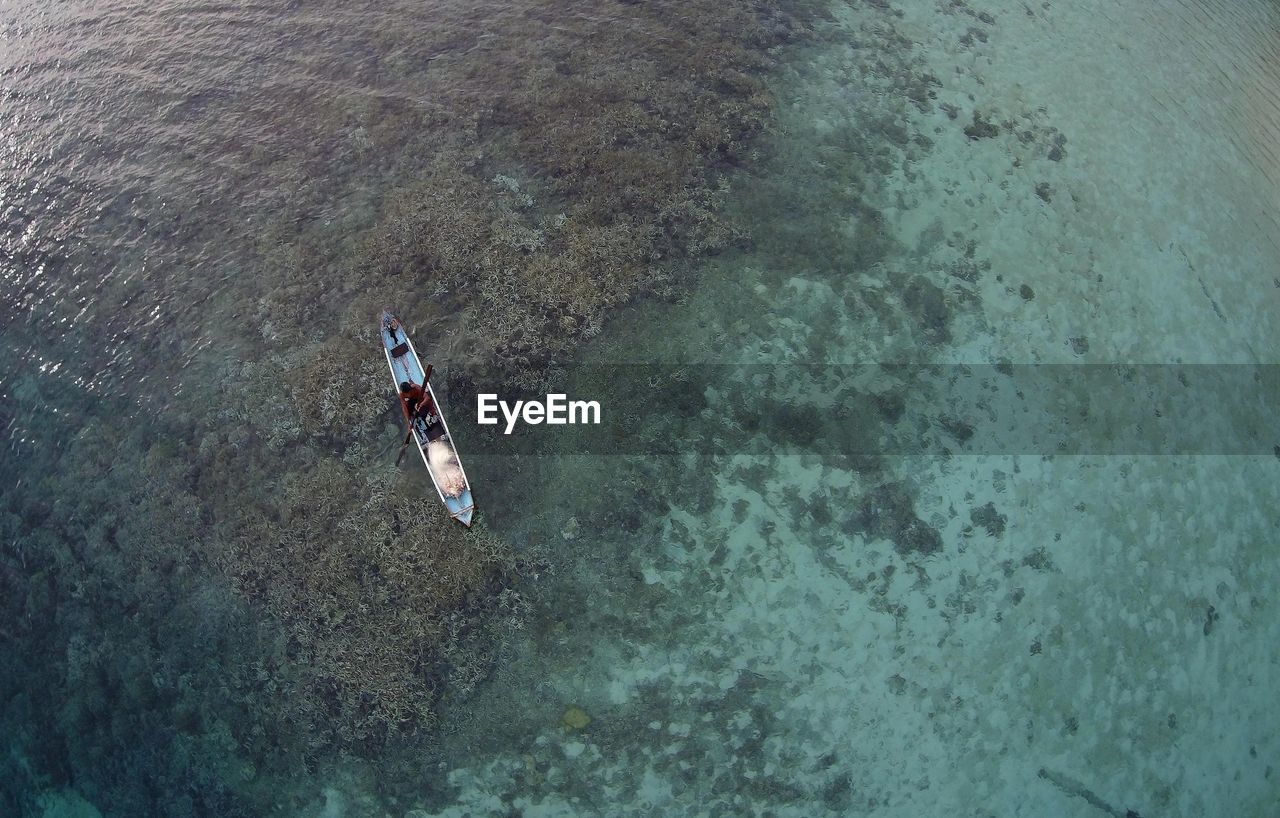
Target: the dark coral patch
(888, 512)
(990, 519)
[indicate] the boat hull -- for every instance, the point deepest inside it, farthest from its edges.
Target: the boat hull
(405, 365)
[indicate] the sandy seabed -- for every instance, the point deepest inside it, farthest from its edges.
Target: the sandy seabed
(1095, 634)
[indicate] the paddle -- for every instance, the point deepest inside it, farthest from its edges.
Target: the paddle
(405, 447)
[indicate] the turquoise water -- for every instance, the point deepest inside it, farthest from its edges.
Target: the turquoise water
(220, 598)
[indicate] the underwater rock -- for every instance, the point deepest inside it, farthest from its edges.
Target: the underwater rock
(793, 426)
(1039, 559)
(928, 305)
(1044, 191)
(570, 530)
(1058, 152)
(959, 429)
(1210, 617)
(990, 519)
(575, 718)
(980, 128)
(888, 512)
(890, 405)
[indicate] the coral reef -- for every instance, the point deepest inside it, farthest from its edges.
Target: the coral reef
(375, 595)
(580, 181)
(132, 658)
(259, 586)
(589, 174)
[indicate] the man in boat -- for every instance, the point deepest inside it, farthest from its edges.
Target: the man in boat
(416, 401)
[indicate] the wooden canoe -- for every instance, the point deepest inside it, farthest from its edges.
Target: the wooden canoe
(403, 359)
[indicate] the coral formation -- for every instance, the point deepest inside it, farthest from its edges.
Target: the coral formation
(610, 171)
(261, 587)
(888, 511)
(576, 186)
(374, 594)
(575, 718)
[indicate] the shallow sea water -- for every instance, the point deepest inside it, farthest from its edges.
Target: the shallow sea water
(1012, 633)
